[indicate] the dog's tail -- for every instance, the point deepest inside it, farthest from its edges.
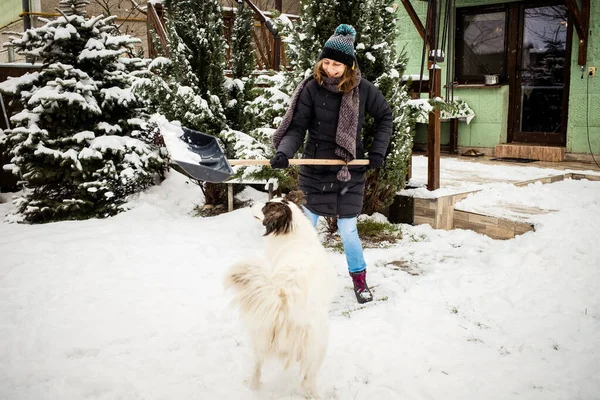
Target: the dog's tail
(260, 301)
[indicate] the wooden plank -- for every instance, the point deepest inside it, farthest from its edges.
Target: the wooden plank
(585, 20)
(581, 20)
(158, 24)
(414, 18)
(576, 15)
(498, 233)
(301, 161)
(230, 197)
(423, 220)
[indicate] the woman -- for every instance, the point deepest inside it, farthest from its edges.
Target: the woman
(331, 105)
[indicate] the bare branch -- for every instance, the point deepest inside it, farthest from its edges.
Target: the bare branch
(138, 7)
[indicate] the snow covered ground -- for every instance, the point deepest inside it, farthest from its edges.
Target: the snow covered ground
(132, 307)
(458, 175)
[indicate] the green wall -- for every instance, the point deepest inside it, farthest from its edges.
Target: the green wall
(584, 95)
(490, 104)
(9, 11)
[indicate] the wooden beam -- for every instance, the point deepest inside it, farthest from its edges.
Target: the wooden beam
(277, 41)
(585, 20)
(414, 17)
(154, 18)
(432, 36)
(573, 9)
(230, 197)
(581, 20)
(433, 132)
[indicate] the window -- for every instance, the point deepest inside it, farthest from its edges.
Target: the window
(481, 38)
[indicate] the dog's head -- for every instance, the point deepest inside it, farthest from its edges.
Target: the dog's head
(278, 214)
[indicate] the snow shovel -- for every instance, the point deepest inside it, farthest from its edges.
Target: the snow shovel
(214, 167)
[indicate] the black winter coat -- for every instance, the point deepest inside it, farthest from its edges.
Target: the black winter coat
(317, 111)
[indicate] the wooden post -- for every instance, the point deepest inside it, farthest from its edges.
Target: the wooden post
(277, 41)
(453, 135)
(230, 197)
(270, 190)
(581, 20)
(155, 19)
(433, 131)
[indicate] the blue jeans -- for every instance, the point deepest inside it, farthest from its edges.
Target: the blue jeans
(350, 240)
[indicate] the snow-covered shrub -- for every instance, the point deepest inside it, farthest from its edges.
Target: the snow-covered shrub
(239, 88)
(268, 106)
(81, 143)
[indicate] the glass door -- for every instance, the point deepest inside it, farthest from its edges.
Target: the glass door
(542, 76)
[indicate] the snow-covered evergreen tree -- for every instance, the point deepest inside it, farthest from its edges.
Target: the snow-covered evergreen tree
(199, 25)
(317, 23)
(188, 85)
(81, 143)
(375, 46)
(240, 85)
(70, 7)
(242, 51)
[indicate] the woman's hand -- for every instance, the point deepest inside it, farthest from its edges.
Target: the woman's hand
(279, 161)
(375, 161)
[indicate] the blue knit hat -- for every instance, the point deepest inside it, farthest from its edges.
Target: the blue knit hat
(340, 46)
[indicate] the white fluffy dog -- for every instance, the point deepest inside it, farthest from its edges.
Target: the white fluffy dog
(284, 298)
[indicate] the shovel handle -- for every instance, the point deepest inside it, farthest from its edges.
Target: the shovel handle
(301, 161)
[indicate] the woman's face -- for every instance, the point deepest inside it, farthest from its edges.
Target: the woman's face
(333, 68)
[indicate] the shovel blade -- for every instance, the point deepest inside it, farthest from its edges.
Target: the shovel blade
(203, 173)
(214, 166)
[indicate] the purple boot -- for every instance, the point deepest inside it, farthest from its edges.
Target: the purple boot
(361, 290)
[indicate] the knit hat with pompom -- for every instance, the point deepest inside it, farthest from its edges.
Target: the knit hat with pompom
(340, 46)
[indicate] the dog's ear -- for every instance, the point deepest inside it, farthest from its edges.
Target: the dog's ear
(277, 218)
(296, 197)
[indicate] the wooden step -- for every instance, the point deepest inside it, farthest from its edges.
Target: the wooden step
(541, 153)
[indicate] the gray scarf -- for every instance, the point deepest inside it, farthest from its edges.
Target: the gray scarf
(345, 136)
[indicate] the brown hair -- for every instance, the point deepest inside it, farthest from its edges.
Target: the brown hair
(347, 83)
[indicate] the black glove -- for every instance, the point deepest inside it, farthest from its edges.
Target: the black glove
(375, 161)
(280, 161)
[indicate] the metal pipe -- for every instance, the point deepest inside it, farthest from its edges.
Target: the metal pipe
(445, 34)
(26, 17)
(4, 112)
(424, 47)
